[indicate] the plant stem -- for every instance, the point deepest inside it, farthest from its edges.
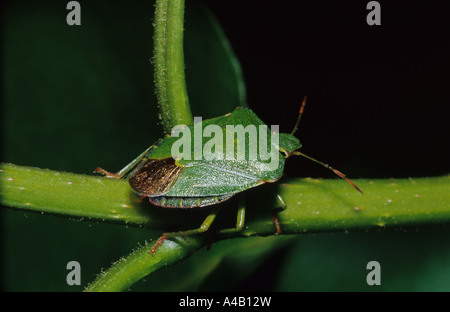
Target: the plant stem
(312, 204)
(170, 81)
(140, 263)
(321, 205)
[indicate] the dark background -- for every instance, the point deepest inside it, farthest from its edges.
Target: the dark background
(378, 96)
(377, 108)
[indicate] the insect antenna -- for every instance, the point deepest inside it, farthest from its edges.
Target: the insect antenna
(337, 172)
(302, 108)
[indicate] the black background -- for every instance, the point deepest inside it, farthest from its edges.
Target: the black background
(377, 95)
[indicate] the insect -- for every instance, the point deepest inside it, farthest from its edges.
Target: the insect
(200, 178)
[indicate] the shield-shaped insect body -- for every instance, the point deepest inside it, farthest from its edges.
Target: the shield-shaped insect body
(195, 174)
(210, 162)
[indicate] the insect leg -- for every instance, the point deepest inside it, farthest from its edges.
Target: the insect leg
(203, 228)
(281, 207)
(281, 203)
(125, 169)
(240, 220)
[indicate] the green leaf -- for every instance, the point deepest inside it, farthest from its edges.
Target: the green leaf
(222, 85)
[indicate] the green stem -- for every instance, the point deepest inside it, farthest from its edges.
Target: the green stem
(312, 206)
(169, 64)
(140, 263)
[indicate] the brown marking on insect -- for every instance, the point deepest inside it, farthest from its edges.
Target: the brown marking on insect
(154, 177)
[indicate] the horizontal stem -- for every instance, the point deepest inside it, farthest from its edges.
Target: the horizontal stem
(312, 204)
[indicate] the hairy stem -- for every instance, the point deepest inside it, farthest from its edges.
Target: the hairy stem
(140, 263)
(312, 204)
(170, 81)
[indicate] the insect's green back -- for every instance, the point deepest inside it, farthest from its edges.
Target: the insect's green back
(240, 116)
(210, 177)
(212, 160)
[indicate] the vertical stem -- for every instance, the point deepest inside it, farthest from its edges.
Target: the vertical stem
(170, 80)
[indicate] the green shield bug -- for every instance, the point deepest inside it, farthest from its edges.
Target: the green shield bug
(198, 166)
